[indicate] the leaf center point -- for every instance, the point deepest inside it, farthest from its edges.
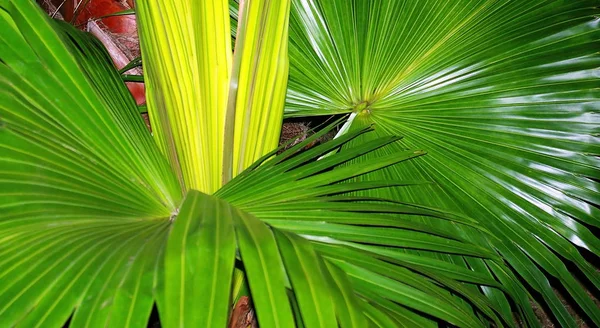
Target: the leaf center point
(362, 108)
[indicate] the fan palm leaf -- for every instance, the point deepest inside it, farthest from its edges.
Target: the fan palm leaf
(504, 97)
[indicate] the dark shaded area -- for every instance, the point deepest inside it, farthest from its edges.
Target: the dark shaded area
(154, 321)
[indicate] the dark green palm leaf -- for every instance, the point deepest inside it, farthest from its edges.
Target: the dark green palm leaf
(327, 218)
(504, 97)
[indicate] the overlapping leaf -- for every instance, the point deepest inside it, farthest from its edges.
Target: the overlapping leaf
(300, 194)
(199, 263)
(322, 257)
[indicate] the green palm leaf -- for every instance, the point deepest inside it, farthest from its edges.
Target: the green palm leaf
(86, 195)
(51, 111)
(199, 263)
(96, 226)
(502, 95)
(302, 262)
(264, 271)
(325, 218)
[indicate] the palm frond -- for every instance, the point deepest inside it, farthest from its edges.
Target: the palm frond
(199, 260)
(96, 226)
(83, 121)
(86, 194)
(296, 197)
(502, 95)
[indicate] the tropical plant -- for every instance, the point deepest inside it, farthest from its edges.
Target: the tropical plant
(100, 220)
(504, 97)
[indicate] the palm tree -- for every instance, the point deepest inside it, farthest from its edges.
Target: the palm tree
(101, 220)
